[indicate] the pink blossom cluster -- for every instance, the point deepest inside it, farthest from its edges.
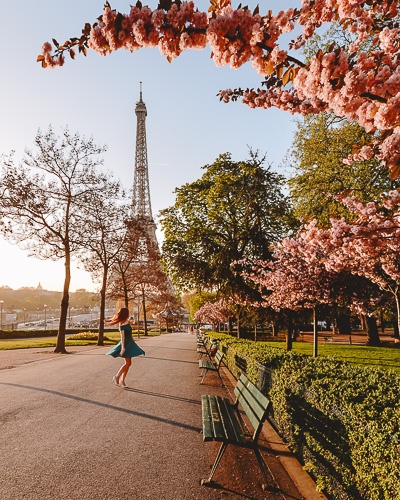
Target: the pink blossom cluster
(287, 100)
(49, 59)
(365, 153)
(230, 37)
(214, 312)
(371, 245)
(389, 40)
(178, 29)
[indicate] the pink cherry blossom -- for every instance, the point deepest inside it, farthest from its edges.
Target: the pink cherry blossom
(218, 311)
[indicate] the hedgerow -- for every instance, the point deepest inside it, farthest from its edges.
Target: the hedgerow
(341, 420)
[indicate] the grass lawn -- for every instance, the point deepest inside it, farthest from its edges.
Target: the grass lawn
(112, 338)
(384, 357)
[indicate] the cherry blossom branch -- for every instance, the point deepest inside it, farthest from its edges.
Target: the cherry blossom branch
(361, 85)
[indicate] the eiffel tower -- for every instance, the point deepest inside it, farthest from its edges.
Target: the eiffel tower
(141, 204)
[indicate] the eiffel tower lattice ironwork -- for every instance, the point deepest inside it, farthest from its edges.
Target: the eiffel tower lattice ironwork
(141, 204)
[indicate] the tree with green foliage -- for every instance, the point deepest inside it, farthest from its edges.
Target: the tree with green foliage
(193, 301)
(235, 210)
(319, 146)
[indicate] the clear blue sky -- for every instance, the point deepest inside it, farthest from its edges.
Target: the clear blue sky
(187, 126)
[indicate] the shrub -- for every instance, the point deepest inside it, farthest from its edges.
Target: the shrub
(341, 420)
(84, 336)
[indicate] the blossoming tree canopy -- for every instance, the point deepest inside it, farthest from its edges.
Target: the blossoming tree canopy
(370, 246)
(360, 81)
(217, 311)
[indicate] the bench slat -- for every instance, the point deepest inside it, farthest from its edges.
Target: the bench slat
(210, 365)
(218, 429)
(233, 430)
(208, 434)
(218, 357)
(253, 402)
(220, 422)
(247, 400)
(252, 389)
(205, 363)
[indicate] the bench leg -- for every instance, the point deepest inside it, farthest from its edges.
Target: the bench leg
(221, 451)
(204, 375)
(262, 465)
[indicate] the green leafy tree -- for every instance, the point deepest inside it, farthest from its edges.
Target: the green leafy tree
(319, 146)
(194, 301)
(235, 210)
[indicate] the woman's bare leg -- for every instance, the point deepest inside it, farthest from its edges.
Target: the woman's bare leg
(123, 371)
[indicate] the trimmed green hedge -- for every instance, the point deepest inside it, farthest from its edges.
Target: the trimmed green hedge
(26, 334)
(341, 420)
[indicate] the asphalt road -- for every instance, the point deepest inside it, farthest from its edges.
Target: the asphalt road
(67, 432)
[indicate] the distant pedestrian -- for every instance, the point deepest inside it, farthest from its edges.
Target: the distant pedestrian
(126, 348)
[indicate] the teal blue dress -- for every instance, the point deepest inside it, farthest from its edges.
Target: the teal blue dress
(131, 348)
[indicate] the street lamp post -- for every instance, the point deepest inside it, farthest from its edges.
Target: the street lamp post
(45, 316)
(1, 314)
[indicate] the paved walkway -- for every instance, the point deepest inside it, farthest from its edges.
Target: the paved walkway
(68, 433)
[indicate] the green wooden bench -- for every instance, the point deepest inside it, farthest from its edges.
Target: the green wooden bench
(207, 365)
(222, 422)
(203, 347)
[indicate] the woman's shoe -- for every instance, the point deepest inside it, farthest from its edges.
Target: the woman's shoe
(115, 381)
(123, 385)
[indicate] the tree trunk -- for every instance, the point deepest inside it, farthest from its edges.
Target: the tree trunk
(275, 328)
(362, 322)
(100, 338)
(290, 332)
(343, 323)
(144, 314)
(397, 330)
(138, 318)
(381, 321)
(60, 343)
(315, 319)
(372, 331)
(335, 328)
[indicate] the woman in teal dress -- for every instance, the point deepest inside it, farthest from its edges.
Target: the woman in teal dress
(126, 348)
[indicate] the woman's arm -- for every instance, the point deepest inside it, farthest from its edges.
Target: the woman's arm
(122, 341)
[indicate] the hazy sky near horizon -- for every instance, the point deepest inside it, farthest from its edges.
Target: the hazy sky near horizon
(187, 125)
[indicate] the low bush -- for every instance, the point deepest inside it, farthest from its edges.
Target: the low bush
(25, 334)
(85, 336)
(341, 420)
